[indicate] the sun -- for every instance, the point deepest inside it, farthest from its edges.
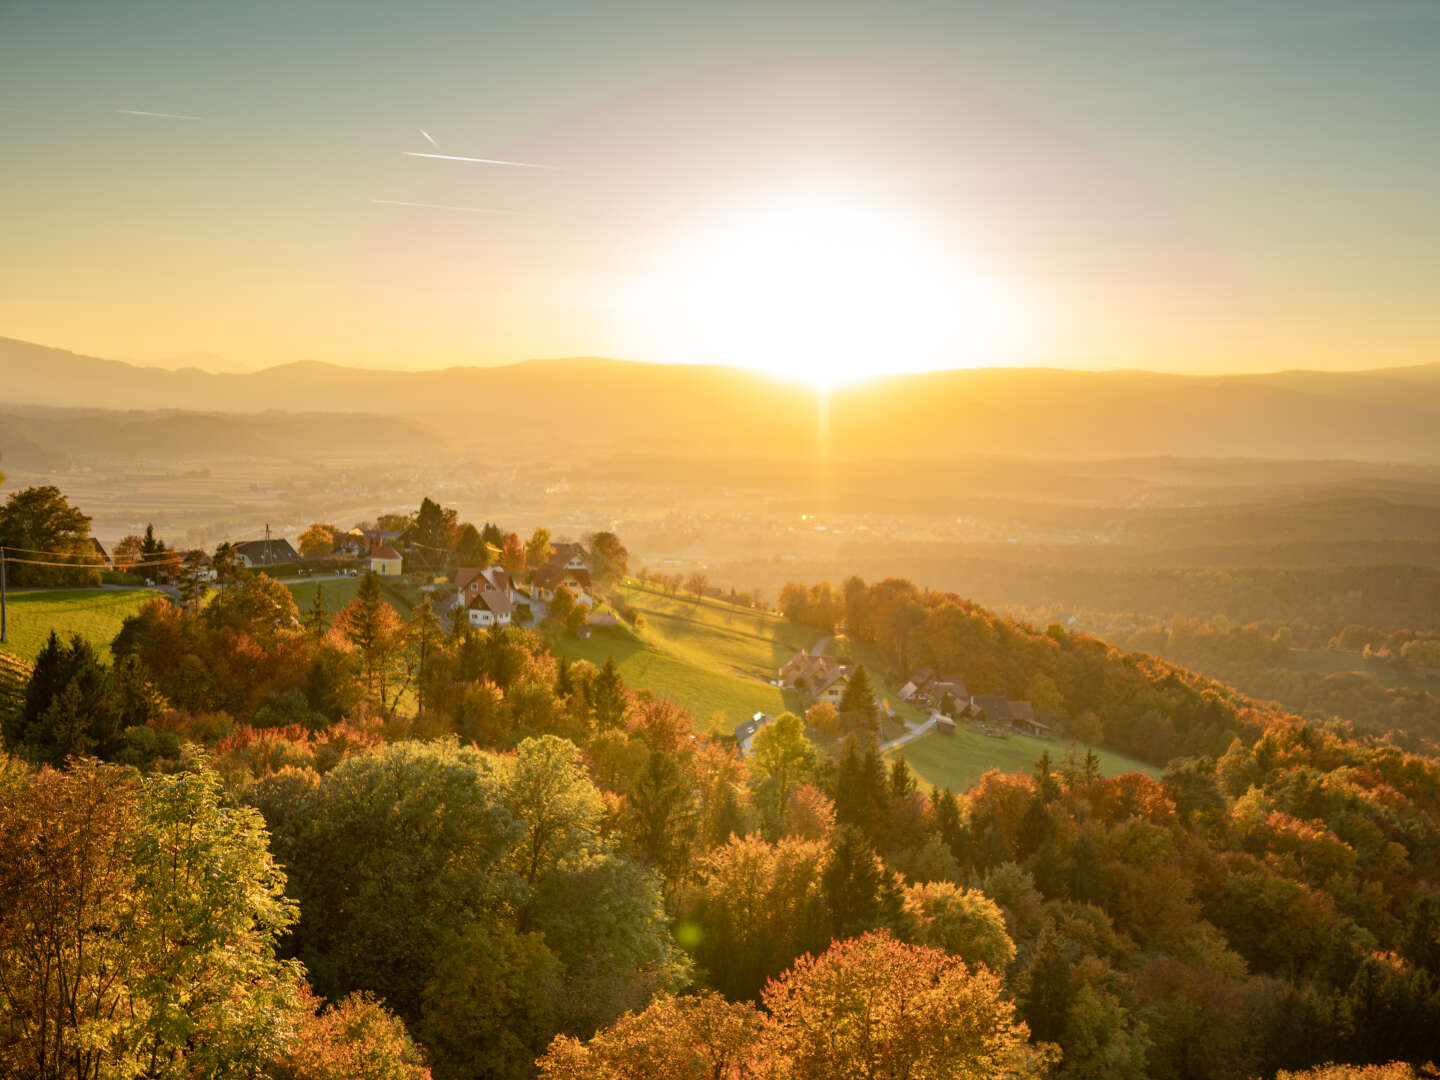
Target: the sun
(825, 290)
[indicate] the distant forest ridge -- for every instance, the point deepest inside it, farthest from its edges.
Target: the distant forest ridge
(1385, 415)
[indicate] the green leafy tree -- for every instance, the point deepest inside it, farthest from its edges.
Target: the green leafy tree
(491, 1005)
(391, 853)
(609, 697)
(548, 788)
(138, 930)
(608, 557)
(471, 549)
(782, 757)
(42, 526)
(434, 533)
(964, 922)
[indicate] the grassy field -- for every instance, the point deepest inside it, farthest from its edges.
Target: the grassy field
(958, 761)
(94, 614)
(340, 592)
(707, 655)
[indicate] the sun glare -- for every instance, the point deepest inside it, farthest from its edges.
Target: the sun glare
(825, 291)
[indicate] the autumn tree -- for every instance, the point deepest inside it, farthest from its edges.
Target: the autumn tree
(697, 1037)
(963, 922)
(356, 1037)
(537, 548)
(823, 717)
(317, 540)
(126, 552)
(138, 929)
(512, 555)
(758, 907)
(876, 1008)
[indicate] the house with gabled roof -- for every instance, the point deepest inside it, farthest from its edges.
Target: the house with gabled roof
(831, 685)
(994, 707)
(265, 553)
(386, 561)
(806, 670)
(487, 595)
(1022, 718)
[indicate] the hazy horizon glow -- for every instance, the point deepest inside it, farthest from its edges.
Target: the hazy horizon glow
(819, 287)
(1119, 184)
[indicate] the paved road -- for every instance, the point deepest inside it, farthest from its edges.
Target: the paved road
(818, 649)
(911, 734)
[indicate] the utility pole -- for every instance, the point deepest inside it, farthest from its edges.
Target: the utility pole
(2, 594)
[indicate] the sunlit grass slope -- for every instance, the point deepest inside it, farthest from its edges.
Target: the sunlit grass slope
(339, 592)
(707, 655)
(958, 761)
(94, 614)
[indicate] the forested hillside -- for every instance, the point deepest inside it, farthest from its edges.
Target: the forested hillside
(456, 849)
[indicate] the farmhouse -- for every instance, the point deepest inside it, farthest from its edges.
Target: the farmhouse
(994, 707)
(832, 685)
(488, 596)
(568, 566)
(265, 553)
(805, 670)
(97, 549)
(386, 561)
(1022, 718)
(550, 577)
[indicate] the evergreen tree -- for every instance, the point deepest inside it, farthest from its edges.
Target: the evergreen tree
(947, 823)
(609, 697)
(426, 643)
(317, 620)
(1046, 786)
(1048, 990)
(902, 780)
(860, 787)
(68, 708)
(151, 547)
(858, 711)
(860, 892)
(662, 815)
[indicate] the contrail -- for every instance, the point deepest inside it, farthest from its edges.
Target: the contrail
(479, 160)
(161, 115)
(442, 206)
(428, 137)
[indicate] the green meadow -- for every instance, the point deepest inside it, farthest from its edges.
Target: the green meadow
(95, 614)
(958, 761)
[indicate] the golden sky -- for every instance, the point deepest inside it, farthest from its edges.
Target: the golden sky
(1198, 187)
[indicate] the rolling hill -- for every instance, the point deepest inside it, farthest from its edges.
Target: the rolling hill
(1029, 412)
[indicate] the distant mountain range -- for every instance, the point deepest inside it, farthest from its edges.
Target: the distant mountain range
(600, 407)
